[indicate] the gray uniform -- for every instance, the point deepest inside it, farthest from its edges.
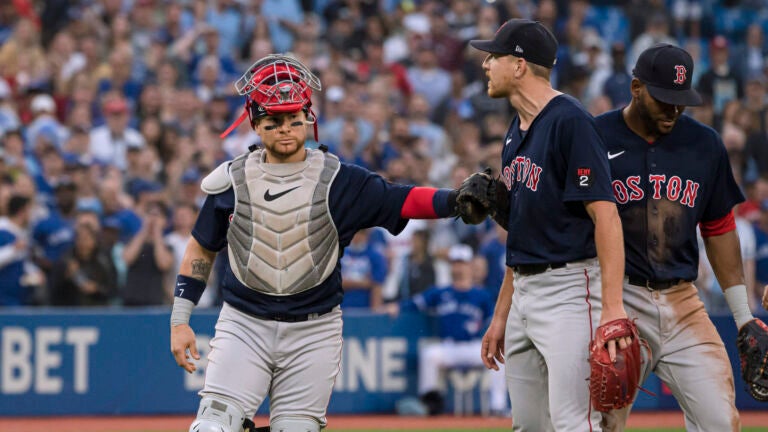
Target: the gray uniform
(534, 334)
(687, 354)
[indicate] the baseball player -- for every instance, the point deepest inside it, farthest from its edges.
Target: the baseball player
(463, 311)
(564, 256)
(672, 174)
(285, 213)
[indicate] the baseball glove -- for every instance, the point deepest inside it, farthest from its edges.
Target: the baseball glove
(480, 196)
(752, 343)
(613, 385)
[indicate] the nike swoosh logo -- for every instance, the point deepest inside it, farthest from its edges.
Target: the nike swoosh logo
(269, 197)
(615, 155)
(509, 140)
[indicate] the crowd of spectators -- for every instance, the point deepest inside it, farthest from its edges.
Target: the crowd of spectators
(111, 110)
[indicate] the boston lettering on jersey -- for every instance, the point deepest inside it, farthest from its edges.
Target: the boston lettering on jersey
(674, 189)
(549, 172)
(522, 170)
(664, 190)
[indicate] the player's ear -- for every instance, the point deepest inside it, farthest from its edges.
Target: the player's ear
(635, 87)
(520, 66)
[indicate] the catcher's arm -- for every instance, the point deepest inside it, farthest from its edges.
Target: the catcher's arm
(190, 283)
(609, 242)
(429, 203)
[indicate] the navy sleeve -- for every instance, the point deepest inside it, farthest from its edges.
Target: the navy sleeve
(361, 199)
(588, 175)
(725, 192)
(213, 221)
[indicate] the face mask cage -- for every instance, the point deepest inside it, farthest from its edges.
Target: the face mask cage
(276, 67)
(276, 84)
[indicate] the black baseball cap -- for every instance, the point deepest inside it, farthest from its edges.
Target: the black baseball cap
(667, 72)
(523, 38)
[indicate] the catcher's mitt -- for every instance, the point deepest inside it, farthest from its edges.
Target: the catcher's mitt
(479, 196)
(614, 385)
(752, 343)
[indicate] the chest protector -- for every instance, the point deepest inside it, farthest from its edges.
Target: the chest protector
(282, 239)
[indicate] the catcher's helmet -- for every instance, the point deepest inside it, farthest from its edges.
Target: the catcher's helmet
(273, 85)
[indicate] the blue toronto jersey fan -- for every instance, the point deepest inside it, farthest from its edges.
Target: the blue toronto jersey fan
(678, 186)
(550, 171)
(462, 315)
(372, 197)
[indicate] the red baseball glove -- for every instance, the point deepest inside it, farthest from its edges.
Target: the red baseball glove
(614, 385)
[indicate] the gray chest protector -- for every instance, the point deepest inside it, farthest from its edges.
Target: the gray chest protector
(282, 239)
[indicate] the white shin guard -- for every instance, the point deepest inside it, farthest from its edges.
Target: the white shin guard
(218, 414)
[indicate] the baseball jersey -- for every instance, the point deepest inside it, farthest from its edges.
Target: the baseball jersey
(358, 199)
(462, 315)
(55, 235)
(663, 190)
(12, 292)
(549, 171)
(361, 263)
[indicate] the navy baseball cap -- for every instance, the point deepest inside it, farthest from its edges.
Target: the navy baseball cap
(667, 72)
(523, 38)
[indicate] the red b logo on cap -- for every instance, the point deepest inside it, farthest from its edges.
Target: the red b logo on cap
(680, 72)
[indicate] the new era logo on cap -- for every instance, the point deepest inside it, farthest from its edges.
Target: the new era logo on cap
(518, 49)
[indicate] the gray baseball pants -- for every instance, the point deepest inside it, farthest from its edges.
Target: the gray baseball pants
(295, 364)
(550, 324)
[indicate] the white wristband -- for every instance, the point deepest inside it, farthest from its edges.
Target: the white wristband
(182, 310)
(736, 296)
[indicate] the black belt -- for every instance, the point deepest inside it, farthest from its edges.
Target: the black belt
(656, 285)
(534, 269)
(290, 318)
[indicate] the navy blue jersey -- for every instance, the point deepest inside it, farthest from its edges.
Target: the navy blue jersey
(550, 170)
(358, 199)
(462, 315)
(663, 190)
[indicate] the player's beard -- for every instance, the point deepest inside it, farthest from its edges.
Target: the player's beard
(652, 123)
(494, 91)
(282, 150)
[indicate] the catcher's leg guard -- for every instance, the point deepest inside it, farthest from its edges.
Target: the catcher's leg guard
(295, 424)
(218, 414)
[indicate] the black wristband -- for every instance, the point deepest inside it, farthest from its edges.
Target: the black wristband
(189, 288)
(451, 203)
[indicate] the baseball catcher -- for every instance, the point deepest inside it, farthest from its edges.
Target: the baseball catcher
(613, 384)
(480, 195)
(752, 343)
(284, 214)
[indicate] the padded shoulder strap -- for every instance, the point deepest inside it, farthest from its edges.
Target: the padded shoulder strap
(218, 180)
